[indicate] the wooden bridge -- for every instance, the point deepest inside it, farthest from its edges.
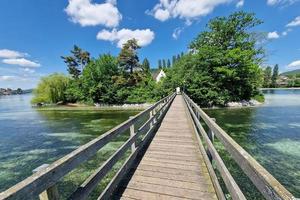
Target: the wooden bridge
(171, 156)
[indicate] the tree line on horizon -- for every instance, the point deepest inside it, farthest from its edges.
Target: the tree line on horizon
(166, 63)
(222, 65)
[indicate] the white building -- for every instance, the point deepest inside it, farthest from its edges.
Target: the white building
(158, 75)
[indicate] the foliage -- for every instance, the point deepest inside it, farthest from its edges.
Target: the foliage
(51, 89)
(223, 64)
(146, 65)
(275, 76)
(267, 77)
(128, 59)
(77, 61)
(295, 72)
(259, 97)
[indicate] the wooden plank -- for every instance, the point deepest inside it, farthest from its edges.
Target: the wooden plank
(204, 187)
(172, 169)
(177, 177)
(213, 176)
(137, 194)
(269, 187)
(111, 187)
(166, 190)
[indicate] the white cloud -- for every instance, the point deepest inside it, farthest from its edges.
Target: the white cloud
(144, 37)
(6, 53)
(273, 35)
(28, 70)
(162, 15)
(7, 78)
(87, 13)
(21, 62)
(294, 64)
(295, 22)
(281, 2)
(284, 33)
(176, 33)
(240, 4)
(184, 9)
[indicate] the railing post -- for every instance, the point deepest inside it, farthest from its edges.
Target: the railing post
(150, 116)
(52, 192)
(211, 136)
(153, 114)
(131, 135)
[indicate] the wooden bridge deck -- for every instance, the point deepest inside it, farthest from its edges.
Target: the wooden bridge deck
(172, 166)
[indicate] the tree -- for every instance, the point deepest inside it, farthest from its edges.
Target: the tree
(19, 91)
(173, 60)
(159, 64)
(51, 89)
(77, 61)
(128, 58)
(164, 63)
(267, 77)
(275, 75)
(146, 65)
(225, 63)
(168, 63)
(97, 79)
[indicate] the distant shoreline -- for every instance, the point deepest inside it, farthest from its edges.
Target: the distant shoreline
(296, 88)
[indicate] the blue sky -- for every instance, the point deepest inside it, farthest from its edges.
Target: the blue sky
(34, 34)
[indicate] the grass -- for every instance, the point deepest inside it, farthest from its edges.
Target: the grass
(260, 98)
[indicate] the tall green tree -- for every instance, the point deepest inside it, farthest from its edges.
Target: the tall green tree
(173, 60)
(267, 77)
(275, 75)
(146, 65)
(159, 64)
(77, 61)
(225, 63)
(128, 58)
(168, 63)
(97, 79)
(164, 63)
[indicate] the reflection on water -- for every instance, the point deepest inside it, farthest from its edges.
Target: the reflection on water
(270, 133)
(30, 138)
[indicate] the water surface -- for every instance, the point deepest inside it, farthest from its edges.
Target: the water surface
(30, 138)
(270, 133)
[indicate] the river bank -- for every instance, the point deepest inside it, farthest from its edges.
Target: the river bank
(83, 107)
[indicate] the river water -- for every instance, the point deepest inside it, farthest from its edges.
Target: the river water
(270, 133)
(29, 138)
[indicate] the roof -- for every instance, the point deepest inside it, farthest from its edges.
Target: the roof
(155, 72)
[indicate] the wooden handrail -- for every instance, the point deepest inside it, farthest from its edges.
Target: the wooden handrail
(230, 183)
(32, 186)
(269, 187)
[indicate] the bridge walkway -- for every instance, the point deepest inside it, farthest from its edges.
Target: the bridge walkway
(173, 166)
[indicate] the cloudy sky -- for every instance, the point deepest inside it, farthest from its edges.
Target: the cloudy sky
(34, 34)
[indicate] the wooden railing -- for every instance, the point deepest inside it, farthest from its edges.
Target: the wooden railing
(268, 186)
(43, 182)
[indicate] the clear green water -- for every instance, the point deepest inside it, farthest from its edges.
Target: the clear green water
(30, 138)
(270, 133)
